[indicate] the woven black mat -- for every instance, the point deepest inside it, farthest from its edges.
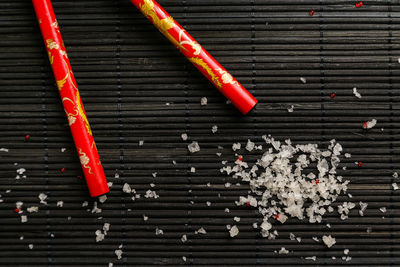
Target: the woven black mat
(127, 73)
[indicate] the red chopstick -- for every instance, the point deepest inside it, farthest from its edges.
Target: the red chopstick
(200, 58)
(78, 122)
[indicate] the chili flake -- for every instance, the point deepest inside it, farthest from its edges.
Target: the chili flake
(62, 170)
(27, 137)
(333, 95)
(359, 4)
(360, 164)
(312, 13)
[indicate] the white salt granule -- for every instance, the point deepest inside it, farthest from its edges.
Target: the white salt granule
(382, 209)
(329, 240)
(154, 174)
(63, 149)
(203, 101)
(110, 184)
(21, 237)
(194, 147)
(3, 149)
(152, 185)
(151, 194)
(184, 238)
(346, 251)
(255, 226)
(85, 204)
(184, 258)
(395, 186)
(110, 264)
(283, 251)
(236, 146)
(60, 204)
(218, 154)
(184, 136)
(201, 231)
(21, 170)
(33, 209)
(119, 252)
(234, 231)
(290, 109)
(313, 258)
(102, 198)
(127, 188)
(214, 129)
(42, 197)
(303, 80)
(363, 207)
(236, 219)
(95, 208)
(227, 210)
(24, 218)
(356, 94)
(315, 239)
(145, 218)
(30, 246)
(159, 231)
(174, 162)
(227, 185)
(99, 236)
(250, 145)
(347, 155)
(395, 175)
(292, 236)
(116, 175)
(192, 169)
(370, 124)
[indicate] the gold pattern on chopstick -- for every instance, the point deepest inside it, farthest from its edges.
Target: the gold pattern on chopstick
(195, 45)
(55, 24)
(82, 113)
(51, 58)
(84, 160)
(204, 65)
(163, 25)
(60, 83)
(71, 116)
(52, 44)
(226, 77)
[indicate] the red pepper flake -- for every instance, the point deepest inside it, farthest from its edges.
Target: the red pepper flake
(240, 158)
(312, 13)
(359, 4)
(16, 210)
(62, 170)
(365, 124)
(276, 216)
(317, 181)
(360, 164)
(333, 95)
(27, 137)
(248, 204)
(79, 177)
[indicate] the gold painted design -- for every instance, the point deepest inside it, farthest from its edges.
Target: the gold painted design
(195, 45)
(60, 83)
(226, 77)
(163, 25)
(82, 113)
(51, 44)
(55, 24)
(84, 160)
(204, 65)
(51, 58)
(71, 116)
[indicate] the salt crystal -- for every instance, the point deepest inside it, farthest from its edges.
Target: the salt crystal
(292, 236)
(395, 175)
(214, 129)
(30, 246)
(313, 258)
(63, 149)
(95, 208)
(346, 251)
(236, 219)
(184, 258)
(99, 236)
(250, 145)
(227, 210)
(85, 204)
(329, 240)
(347, 155)
(383, 209)
(283, 251)
(328, 225)
(102, 198)
(236, 146)
(395, 186)
(174, 162)
(110, 264)
(218, 154)
(227, 185)
(69, 217)
(184, 136)
(208, 203)
(126, 188)
(192, 169)
(356, 94)
(151, 194)
(291, 109)
(60, 203)
(21, 171)
(315, 239)
(203, 101)
(255, 226)
(303, 80)
(370, 124)
(159, 231)
(202, 231)
(145, 218)
(118, 252)
(116, 175)
(184, 238)
(21, 237)
(110, 184)
(234, 231)
(3, 149)
(24, 218)
(194, 147)
(266, 226)
(42, 197)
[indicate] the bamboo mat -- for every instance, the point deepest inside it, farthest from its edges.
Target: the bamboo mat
(136, 86)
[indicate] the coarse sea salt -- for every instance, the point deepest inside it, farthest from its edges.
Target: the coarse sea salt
(42, 198)
(281, 187)
(234, 231)
(370, 124)
(356, 94)
(214, 129)
(329, 240)
(203, 101)
(194, 147)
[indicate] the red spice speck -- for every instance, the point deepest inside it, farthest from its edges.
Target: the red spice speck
(240, 158)
(27, 137)
(16, 210)
(359, 4)
(333, 95)
(360, 164)
(248, 204)
(365, 125)
(276, 216)
(312, 13)
(62, 170)
(79, 177)
(317, 181)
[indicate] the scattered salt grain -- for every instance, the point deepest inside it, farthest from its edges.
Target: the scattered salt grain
(290, 109)
(208, 203)
(151, 194)
(315, 239)
(42, 197)
(363, 207)
(214, 129)
(227, 210)
(370, 124)
(119, 252)
(329, 240)
(218, 154)
(255, 226)
(383, 209)
(227, 185)
(234, 231)
(303, 80)
(95, 208)
(203, 101)
(127, 188)
(347, 155)
(395, 175)
(236, 219)
(30, 246)
(201, 231)
(99, 236)
(283, 251)
(60, 203)
(236, 146)
(395, 186)
(356, 94)
(141, 142)
(346, 251)
(24, 218)
(3, 149)
(145, 218)
(85, 204)
(184, 258)
(21, 237)
(194, 147)
(110, 264)
(102, 198)
(184, 136)
(313, 258)
(250, 145)
(63, 149)
(184, 238)
(192, 169)
(159, 231)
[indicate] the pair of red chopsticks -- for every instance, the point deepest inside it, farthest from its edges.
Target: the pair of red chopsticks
(69, 93)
